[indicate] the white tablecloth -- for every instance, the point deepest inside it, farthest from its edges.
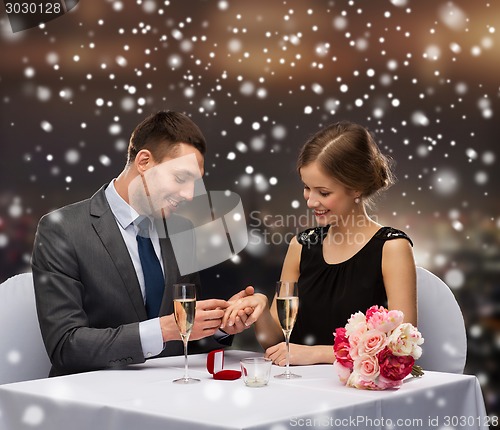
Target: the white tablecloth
(143, 397)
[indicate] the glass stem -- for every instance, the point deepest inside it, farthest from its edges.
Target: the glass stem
(287, 341)
(185, 341)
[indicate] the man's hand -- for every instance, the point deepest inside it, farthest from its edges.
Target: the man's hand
(207, 320)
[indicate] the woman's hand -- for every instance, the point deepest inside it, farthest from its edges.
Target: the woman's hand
(300, 355)
(246, 309)
(239, 324)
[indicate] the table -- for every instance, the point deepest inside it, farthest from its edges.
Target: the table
(143, 397)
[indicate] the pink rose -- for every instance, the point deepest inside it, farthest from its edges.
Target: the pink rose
(354, 340)
(367, 367)
(394, 318)
(366, 385)
(384, 383)
(342, 372)
(357, 381)
(371, 342)
(375, 310)
(394, 368)
(383, 320)
(341, 347)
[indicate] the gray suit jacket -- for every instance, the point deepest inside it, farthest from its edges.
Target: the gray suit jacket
(88, 298)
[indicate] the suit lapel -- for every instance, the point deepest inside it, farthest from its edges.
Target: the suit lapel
(106, 228)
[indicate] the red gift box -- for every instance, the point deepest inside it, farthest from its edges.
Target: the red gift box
(215, 366)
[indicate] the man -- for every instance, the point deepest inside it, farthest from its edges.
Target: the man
(104, 268)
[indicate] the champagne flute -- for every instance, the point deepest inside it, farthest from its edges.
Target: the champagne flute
(287, 303)
(184, 311)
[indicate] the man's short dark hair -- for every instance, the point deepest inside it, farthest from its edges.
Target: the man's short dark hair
(161, 132)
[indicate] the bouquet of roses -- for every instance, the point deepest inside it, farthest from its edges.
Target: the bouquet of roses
(377, 351)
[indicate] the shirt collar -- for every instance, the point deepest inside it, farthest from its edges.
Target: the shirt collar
(123, 212)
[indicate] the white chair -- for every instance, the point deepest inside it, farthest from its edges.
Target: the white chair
(22, 352)
(442, 325)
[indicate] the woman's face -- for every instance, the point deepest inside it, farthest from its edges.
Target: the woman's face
(331, 201)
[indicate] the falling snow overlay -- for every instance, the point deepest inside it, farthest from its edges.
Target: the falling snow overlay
(259, 78)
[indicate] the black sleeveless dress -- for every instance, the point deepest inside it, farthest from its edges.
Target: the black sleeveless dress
(330, 293)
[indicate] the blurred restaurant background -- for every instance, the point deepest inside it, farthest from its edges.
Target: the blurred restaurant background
(259, 78)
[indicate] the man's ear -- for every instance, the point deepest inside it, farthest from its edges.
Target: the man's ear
(143, 160)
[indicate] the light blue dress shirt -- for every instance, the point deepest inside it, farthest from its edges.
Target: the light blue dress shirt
(125, 215)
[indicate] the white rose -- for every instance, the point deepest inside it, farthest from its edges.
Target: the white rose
(406, 340)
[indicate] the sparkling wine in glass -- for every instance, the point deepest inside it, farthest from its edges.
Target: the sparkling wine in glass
(184, 312)
(287, 303)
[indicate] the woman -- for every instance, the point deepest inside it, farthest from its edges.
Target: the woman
(348, 263)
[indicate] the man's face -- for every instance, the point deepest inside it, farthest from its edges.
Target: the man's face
(167, 184)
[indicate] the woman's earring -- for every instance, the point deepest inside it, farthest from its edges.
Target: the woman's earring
(357, 200)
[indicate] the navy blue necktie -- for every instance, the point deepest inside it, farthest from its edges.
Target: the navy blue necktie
(153, 275)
